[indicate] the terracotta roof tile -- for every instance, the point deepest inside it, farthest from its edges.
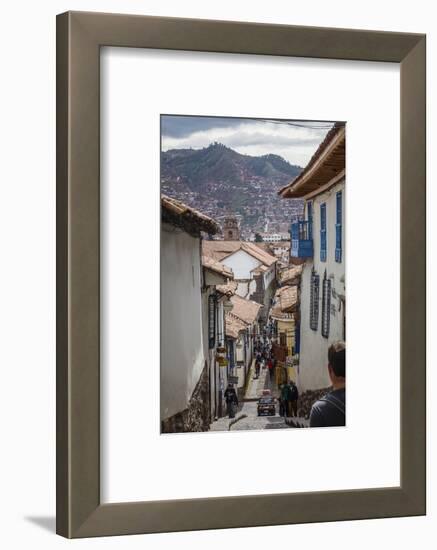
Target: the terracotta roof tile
(217, 267)
(290, 275)
(221, 249)
(286, 298)
(228, 289)
(326, 163)
(233, 325)
(191, 220)
(246, 310)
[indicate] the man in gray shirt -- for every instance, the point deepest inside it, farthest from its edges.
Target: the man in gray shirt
(330, 410)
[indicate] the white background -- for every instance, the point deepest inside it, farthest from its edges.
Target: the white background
(327, 90)
(27, 405)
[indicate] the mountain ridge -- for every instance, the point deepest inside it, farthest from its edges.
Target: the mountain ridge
(217, 162)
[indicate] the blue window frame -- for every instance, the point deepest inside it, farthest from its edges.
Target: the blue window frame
(338, 227)
(310, 220)
(297, 338)
(323, 236)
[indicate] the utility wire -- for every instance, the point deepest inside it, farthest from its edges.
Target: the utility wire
(303, 125)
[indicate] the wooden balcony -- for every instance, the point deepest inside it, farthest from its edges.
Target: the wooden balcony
(301, 239)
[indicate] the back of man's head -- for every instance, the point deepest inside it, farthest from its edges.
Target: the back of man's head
(337, 358)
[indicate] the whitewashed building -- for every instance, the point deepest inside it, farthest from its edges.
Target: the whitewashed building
(275, 237)
(254, 269)
(319, 242)
(187, 355)
(241, 331)
(215, 303)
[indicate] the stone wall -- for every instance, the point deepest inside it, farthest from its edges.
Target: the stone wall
(306, 400)
(196, 417)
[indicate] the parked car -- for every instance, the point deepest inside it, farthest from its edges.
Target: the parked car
(266, 406)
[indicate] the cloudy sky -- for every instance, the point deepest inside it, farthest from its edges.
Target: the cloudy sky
(294, 140)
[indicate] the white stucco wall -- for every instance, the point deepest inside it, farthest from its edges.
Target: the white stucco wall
(312, 371)
(182, 361)
(217, 375)
(209, 354)
(241, 264)
(269, 275)
(243, 289)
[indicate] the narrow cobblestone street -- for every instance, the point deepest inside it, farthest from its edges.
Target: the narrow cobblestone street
(247, 417)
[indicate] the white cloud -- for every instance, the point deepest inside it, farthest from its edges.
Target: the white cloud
(254, 137)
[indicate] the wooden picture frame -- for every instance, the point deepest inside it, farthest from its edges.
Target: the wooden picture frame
(79, 38)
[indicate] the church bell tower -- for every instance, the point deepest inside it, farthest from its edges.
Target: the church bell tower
(231, 230)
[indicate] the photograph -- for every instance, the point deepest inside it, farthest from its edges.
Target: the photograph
(253, 290)
(176, 231)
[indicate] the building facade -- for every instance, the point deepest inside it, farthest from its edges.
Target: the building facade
(215, 303)
(319, 241)
(188, 382)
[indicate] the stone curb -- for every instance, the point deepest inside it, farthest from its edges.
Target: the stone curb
(236, 420)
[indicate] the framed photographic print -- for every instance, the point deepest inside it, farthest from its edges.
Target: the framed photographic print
(226, 192)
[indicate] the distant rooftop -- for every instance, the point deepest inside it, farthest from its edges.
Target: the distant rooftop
(219, 250)
(190, 220)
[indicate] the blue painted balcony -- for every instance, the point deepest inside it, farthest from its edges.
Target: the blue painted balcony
(301, 239)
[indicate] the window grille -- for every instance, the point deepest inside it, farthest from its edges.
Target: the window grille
(323, 239)
(314, 300)
(326, 306)
(310, 220)
(338, 228)
(212, 320)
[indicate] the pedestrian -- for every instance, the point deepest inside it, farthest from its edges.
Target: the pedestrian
(257, 369)
(283, 399)
(231, 401)
(330, 410)
(271, 369)
(293, 396)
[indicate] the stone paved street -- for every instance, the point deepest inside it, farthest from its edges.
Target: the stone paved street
(247, 416)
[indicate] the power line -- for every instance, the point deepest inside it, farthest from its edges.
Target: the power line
(321, 126)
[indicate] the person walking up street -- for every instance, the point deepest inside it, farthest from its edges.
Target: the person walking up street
(231, 400)
(293, 396)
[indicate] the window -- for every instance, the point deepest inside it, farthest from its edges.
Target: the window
(211, 320)
(338, 242)
(314, 300)
(323, 232)
(310, 220)
(326, 306)
(283, 339)
(297, 338)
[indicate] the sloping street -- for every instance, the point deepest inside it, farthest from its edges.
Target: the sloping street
(247, 417)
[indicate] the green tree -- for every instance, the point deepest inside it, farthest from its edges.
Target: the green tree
(258, 238)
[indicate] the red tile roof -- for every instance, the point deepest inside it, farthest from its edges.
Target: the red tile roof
(179, 214)
(327, 163)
